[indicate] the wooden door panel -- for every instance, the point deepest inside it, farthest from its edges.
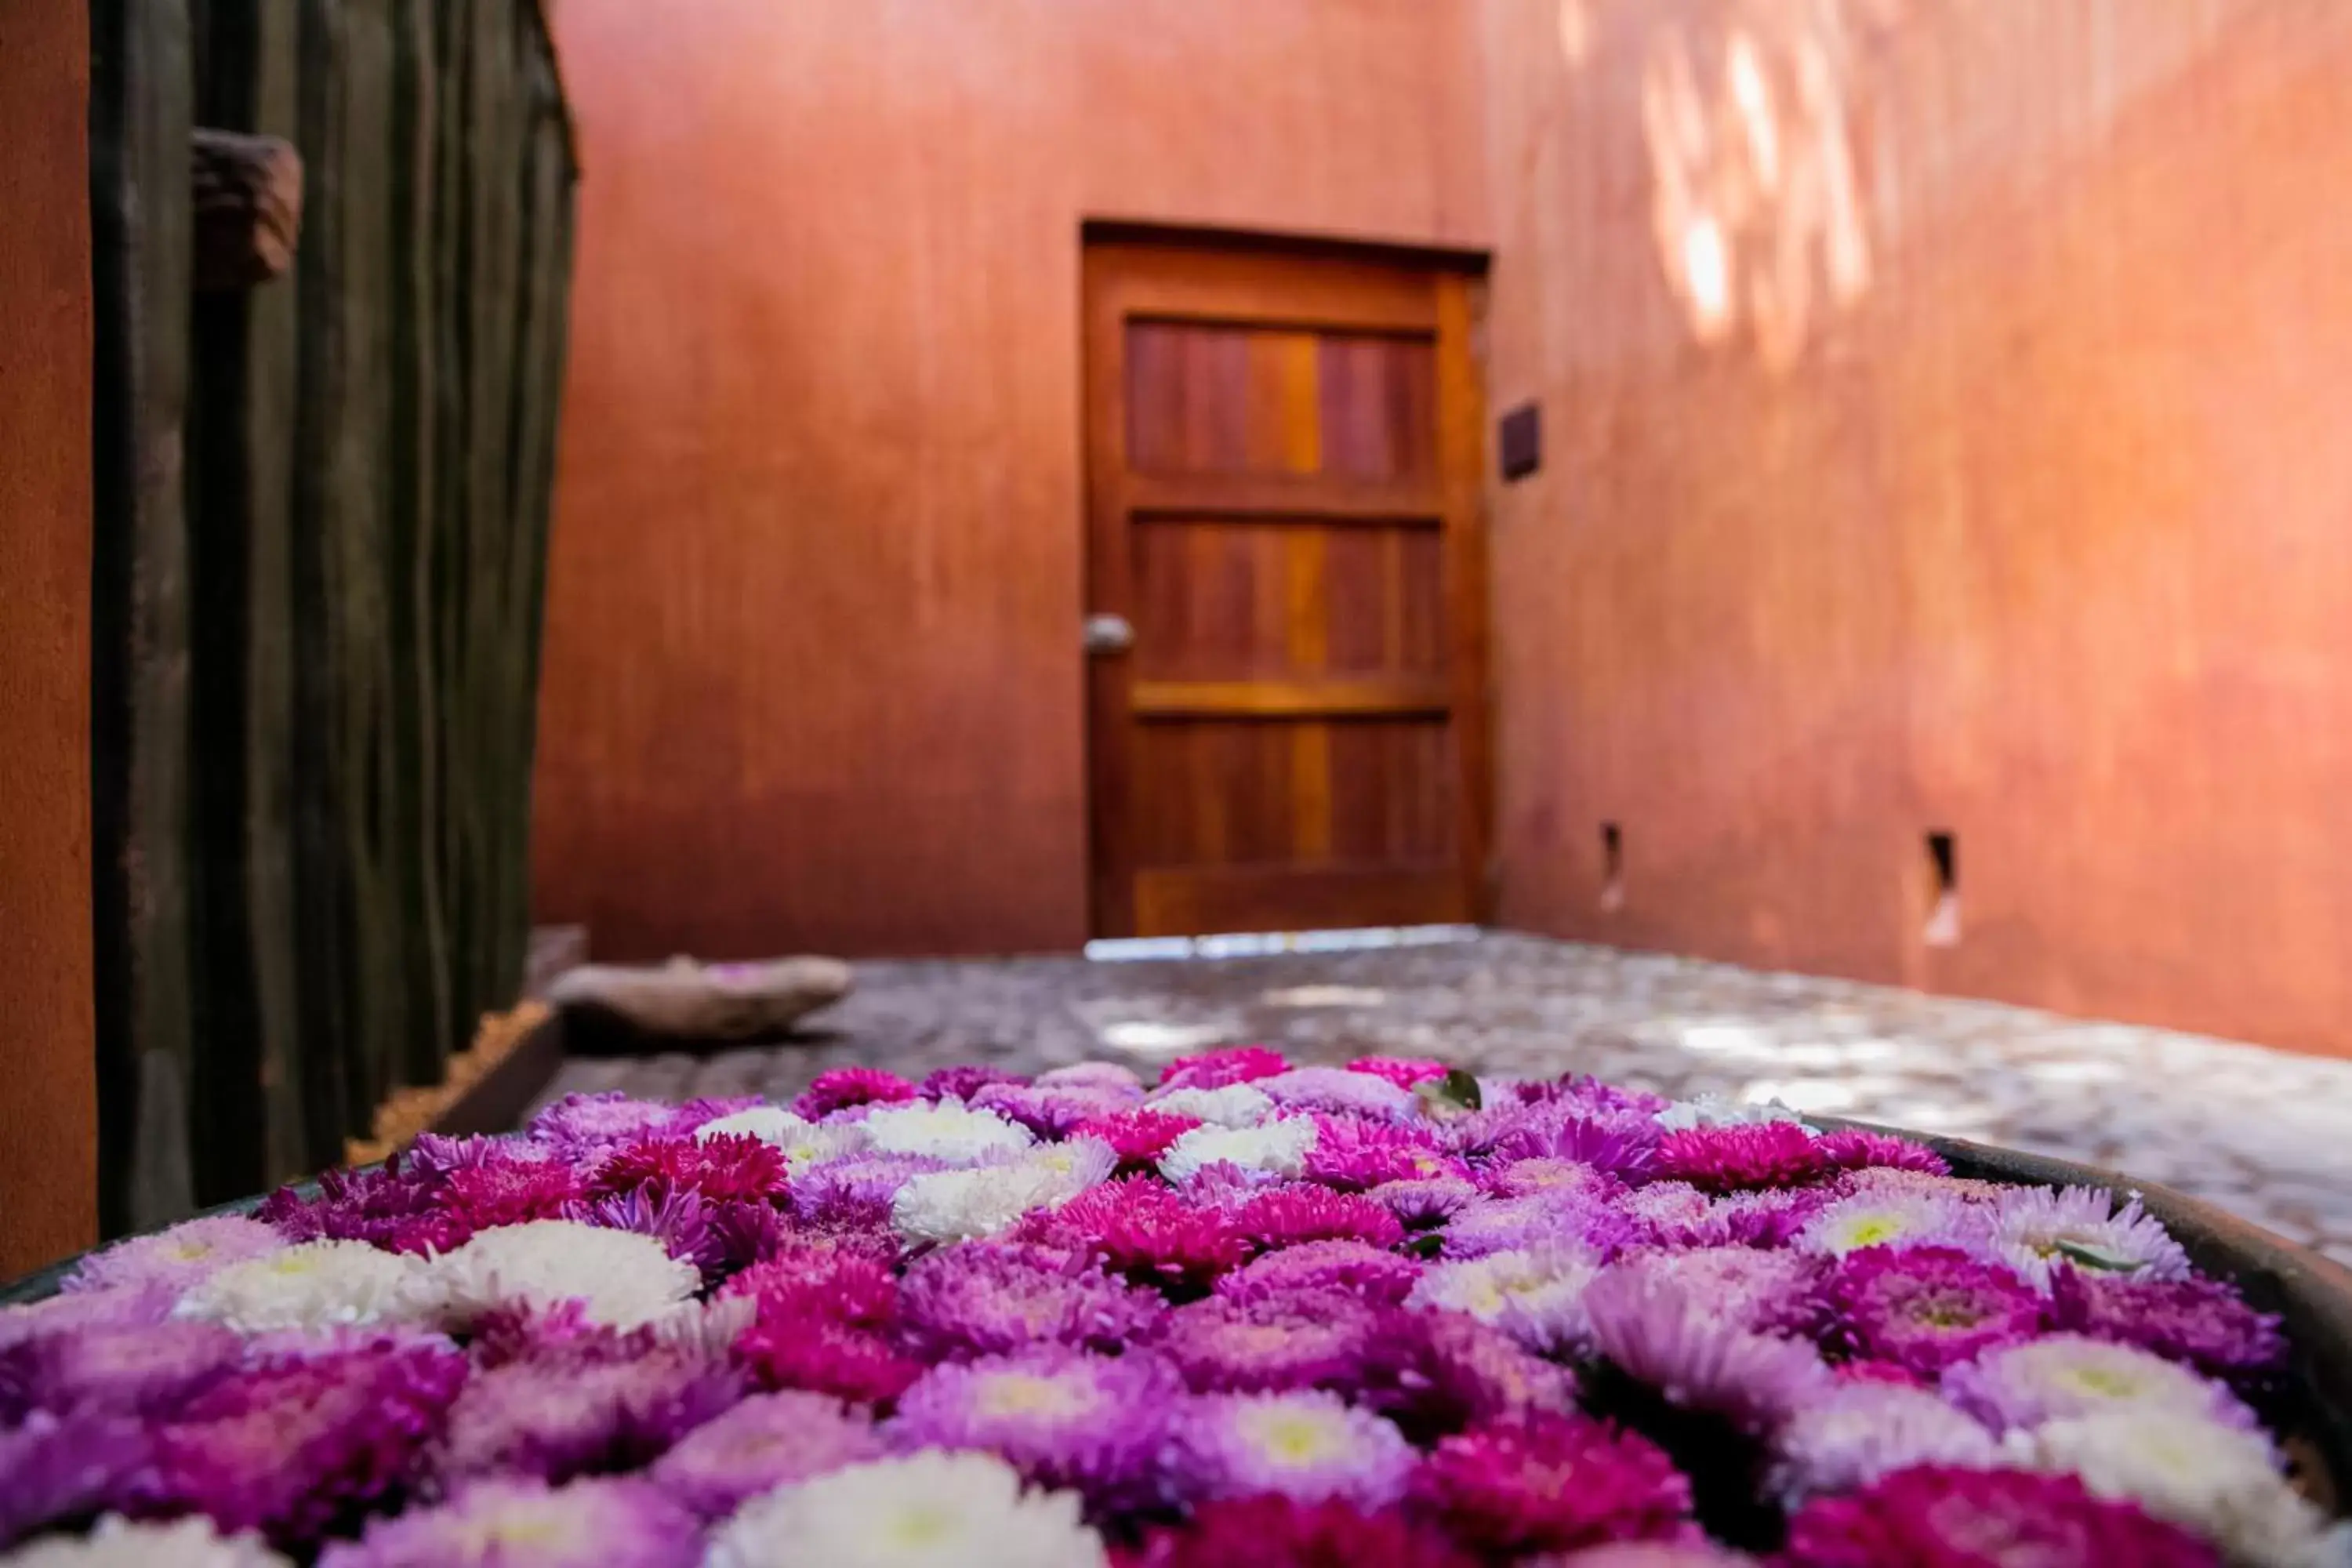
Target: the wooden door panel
(1285, 509)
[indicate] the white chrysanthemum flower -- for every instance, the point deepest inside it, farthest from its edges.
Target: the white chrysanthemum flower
(1535, 1294)
(1281, 1147)
(927, 1510)
(623, 1279)
(317, 1285)
(2212, 1480)
(804, 1142)
(118, 1543)
(706, 1328)
(772, 1123)
(1238, 1105)
(950, 1131)
(988, 1200)
(1893, 1217)
(2036, 1229)
(1722, 1111)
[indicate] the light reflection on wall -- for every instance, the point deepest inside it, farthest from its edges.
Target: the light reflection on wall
(1756, 203)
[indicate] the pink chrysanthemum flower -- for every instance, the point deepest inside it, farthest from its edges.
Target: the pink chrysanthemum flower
(1064, 1418)
(857, 1192)
(1438, 1371)
(180, 1258)
(1621, 1142)
(1353, 1153)
(507, 1524)
(1424, 1203)
(994, 1298)
(1378, 1276)
(483, 1195)
(1855, 1150)
(843, 1280)
(557, 1416)
(389, 1207)
(792, 1347)
(1215, 1069)
(768, 1440)
(1940, 1517)
(1336, 1091)
(1102, 1078)
(1280, 1532)
(1300, 1212)
(2037, 1229)
(1530, 1178)
(1511, 1225)
(1140, 1228)
(1309, 1446)
(1658, 1330)
(1552, 1483)
(133, 1371)
(728, 1168)
(2199, 1322)
(1401, 1071)
(842, 1087)
(1139, 1137)
(1764, 1291)
(962, 1083)
(1927, 1307)
(2062, 1376)
(58, 1473)
(1300, 1341)
(1737, 1157)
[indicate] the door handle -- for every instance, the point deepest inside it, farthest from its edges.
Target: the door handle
(1107, 634)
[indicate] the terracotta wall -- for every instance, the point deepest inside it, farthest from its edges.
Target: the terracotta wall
(48, 1127)
(1945, 407)
(812, 666)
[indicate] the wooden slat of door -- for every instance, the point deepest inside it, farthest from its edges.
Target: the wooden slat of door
(1275, 503)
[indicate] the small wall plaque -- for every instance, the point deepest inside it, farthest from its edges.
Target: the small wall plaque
(1520, 439)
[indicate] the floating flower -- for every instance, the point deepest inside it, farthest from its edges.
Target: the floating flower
(1298, 1340)
(1658, 1330)
(1897, 1219)
(118, 1543)
(769, 1124)
(1959, 1517)
(1648, 1554)
(57, 1472)
(510, 1523)
(1336, 1091)
(1721, 1111)
(315, 1285)
(992, 1298)
(1438, 1371)
(1140, 1228)
(843, 1280)
(148, 1370)
(1236, 1106)
(1548, 1175)
(623, 1279)
(126, 1306)
(962, 1083)
(1727, 1158)
(1216, 1069)
(1047, 1111)
(1308, 1447)
(1562, 1218)
(726, 1168)
(1353, 1153)
(969, 1205)
(1062, 1417)
(2217, 1482)
(1929, 1307)
(1355, 1267)
(556, 1416)
(1765, 1292)
(2038, 1228)
(1623, 1142)
(842, 1087)
(1139, 1137)
(2199, 1322)
(1552, 1483)
(1280, 1532)
(1424, 1203)
(585, 1124)
(857, 1191)
(768, 1440)
(1536, 1295)
(1855, 1150)
(178, 1259)
(2063, 1376)
(926, 1511)
(1851, 1436)
(1280, 1147)
(789, 1347)
(945, 1131)
(1292, 1215)
(1401, 1071)
(1102, 1078)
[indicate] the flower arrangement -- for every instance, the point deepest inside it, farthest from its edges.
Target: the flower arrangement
(1384, 1316)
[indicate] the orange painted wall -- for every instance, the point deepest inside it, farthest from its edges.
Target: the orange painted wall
(811, 660)
(1945, 411)
(48, 1112)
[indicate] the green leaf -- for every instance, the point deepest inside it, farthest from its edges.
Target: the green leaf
(2090, 1256)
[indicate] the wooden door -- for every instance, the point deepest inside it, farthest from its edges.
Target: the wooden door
(1283, 469)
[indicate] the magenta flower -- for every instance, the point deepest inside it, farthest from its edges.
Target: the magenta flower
(821, 1277)
(1765, 1293)
(490, 1193)
(2038, 1229)
(389, 1207)
(992, 1298)
(1623, 1142)
(1336, 1091)
(1353, 1153)
(1215, 1069)
(147, 1370)
(1940, 1517)
(1300, 1212)
(1438, 1371)
(1659, 1331)
(1547, 1219)
(1063, 1417)
(127, 1306)
(1855, 1150)
(1401, 1071)
(1276, 1532)
(1140, 1228)
(857, 1191)
(1552, 1483)
(1139, 1137)
(1300, 1341)
(728, 1168)
(580, 1125)
(1104, 1077)
(55, 1473)
(1742, 1156)
(522, 1523)
(2194, 1320)
(1050, 1112)
(1927, 1307)
(1424, 1203)
(556, 1416)
(790, 1347)
(1356, 1267)
(766, 1441)
(842, 1087)
(1553, 1177)
(1308, 1446)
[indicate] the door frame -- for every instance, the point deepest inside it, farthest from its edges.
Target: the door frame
(1453, 309)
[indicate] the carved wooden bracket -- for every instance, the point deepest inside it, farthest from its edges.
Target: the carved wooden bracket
(248, 208)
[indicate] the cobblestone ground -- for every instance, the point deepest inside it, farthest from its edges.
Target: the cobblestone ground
(2264, 1134)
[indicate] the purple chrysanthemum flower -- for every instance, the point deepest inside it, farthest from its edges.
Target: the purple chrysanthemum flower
(1311, 1447)
(962, 1082)
(581, 1125)
(1850, 1436)
(1336, 1091)
(679, 1220)
(1298, 1340)
(1425, 1203)
(1553, 1483)
(2199, 1321)
(1438, 1372)
(1357, 1267)
(1742, 1156)
(391, 1207)
(57, 1473)
(1300, 1212)
(178, 1259)
(2062, 1375)
(1660, 1331)
(840, 1088)
(768, 1440)
(992, 1298)
(1107, 1077)
(1401, 1071)
(1927, 1307)
(148, 1370)
(1621, 1142)
(1765, 1293)
(432, 1154)
(1215, 1069)
(1600, 1096)
(1856, 1150)
(2037, 1229)
(1047, 1111)
(1354, 1153)
(521, 1523)
(1936, 1516)
(1064, 1418)
(1547, 1219)
(1551, 1174)
(856, 1190)
(129, 1306)
(555, 1416)
(295, 1449)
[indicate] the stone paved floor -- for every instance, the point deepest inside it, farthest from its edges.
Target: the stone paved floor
(2263, 1134)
